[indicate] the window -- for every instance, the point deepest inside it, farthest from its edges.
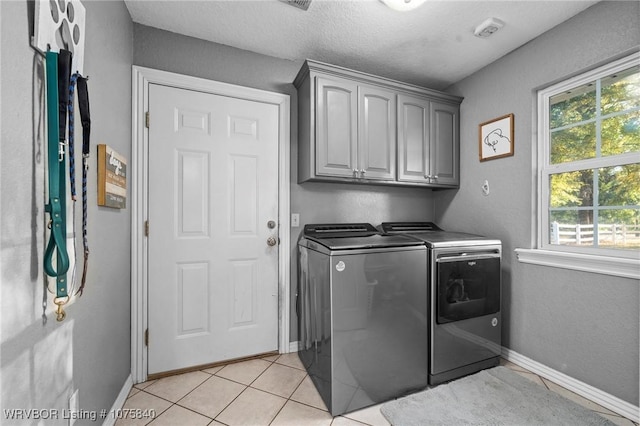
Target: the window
(589, 162)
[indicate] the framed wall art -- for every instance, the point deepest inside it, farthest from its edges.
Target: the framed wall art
(112, 178)
(496, 138)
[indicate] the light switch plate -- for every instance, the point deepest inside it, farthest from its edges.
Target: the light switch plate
(295, 220)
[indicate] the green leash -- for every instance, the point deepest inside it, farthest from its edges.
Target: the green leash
(57, 191)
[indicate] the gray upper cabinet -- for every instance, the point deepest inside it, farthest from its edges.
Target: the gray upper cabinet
(354, 127)
(355, 130)
(428, 142)
(413, 139)
(336, 132)
(444, 168)
(376, 133)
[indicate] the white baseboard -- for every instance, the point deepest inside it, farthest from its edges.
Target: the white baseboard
(293, 346)
(119, 402)
(606, 400)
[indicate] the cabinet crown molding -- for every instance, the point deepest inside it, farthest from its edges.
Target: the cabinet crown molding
(311, 66)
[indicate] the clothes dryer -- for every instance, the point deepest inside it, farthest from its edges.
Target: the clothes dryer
(465, 287)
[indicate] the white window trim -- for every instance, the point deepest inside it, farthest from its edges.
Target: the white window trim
(607, 265)
(602, 261)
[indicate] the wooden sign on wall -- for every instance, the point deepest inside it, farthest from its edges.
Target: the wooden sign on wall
(112, 178)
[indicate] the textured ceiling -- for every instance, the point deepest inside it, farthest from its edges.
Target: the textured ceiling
(431, 46)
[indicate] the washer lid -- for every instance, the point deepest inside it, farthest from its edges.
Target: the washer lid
(452, 239)
(365, 242)
(434, 236)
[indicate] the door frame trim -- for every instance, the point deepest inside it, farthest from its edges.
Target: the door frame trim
(141, 78)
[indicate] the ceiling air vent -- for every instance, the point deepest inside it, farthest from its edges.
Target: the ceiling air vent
(300, 4)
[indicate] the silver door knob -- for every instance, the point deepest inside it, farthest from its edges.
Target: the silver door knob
(271, 241)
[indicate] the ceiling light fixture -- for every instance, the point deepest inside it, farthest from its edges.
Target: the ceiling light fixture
(403, 5)
(488, 27)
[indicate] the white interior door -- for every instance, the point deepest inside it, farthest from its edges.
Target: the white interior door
(213, 189)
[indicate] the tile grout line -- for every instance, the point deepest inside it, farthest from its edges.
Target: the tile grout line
(243, 384)
(185, 395)
(171, 403)
(292, 393)
(191, 391)
(263, 371)
(271, 393)
(230, 402)
(279, 411)
(350, 419)
(175, 404)
(304, 403)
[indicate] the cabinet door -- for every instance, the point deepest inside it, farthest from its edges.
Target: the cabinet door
(336, 127)
(445, 144)
(376, 133)
(413, 139)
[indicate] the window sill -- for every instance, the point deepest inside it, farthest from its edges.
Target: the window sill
(616, 266)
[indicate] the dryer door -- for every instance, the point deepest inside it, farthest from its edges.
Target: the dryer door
(468, 284)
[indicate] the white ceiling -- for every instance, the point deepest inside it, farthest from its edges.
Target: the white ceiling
(431, 46)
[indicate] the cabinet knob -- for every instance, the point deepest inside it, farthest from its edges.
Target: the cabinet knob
(362, 173)
(435, 177)
(355, 173)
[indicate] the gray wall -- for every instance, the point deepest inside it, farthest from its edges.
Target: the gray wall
(42, 364)
(582, 324)
(316, 202)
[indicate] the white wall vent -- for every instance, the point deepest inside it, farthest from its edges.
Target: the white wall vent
(300, 4)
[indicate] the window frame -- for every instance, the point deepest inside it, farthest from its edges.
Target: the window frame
(592, 259)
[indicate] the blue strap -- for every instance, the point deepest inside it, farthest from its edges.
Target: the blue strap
(72, 157)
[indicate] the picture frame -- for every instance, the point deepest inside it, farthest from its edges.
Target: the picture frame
(495, 138)
(112, 178)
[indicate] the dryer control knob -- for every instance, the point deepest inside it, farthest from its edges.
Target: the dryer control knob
(494, 322)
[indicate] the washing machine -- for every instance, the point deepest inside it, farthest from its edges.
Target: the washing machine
(465, 292)
(362, 309)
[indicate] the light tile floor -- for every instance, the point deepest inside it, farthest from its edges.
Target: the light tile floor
(269, 391)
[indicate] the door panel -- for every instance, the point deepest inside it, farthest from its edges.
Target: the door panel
(193, 301)
(445, 143)
(245, 286)
(192, 194)
(243, 190)
(336, 142)
(213, 163)
(413, 139)
(377, 133)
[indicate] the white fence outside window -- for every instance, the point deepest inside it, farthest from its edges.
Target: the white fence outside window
(607, 234)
